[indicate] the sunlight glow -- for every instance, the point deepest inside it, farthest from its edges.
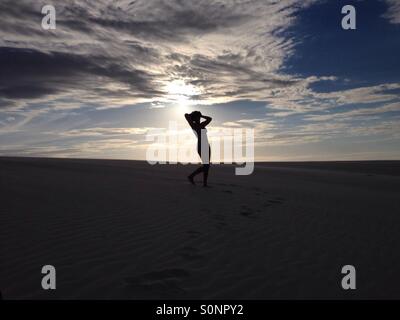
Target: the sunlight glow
(181, 93)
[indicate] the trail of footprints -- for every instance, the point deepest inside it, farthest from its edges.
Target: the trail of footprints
(247, 210)
(170, 282)
(165, 282)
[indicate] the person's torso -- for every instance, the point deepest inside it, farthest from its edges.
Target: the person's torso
(201, 135)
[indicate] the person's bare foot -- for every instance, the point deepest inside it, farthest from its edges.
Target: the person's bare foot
(191, 180)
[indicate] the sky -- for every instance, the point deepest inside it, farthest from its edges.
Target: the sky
(112, 71)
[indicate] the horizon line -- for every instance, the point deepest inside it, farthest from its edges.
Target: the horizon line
(195, 163)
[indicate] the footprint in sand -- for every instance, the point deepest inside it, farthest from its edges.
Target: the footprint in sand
(189, 253)
(227, 184)
(247, 212)
(206, 210)
(193, 233)
(167, 283)
(253, 212)
(277, 200)
(222, 184)
(220, 225)
(273, 201)
(221, 221)
(219, 217)
(228, 191)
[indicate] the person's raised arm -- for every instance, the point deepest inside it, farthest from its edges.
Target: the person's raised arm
(189, 119)
(206, 122)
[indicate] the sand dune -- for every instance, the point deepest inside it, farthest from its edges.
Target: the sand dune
(128, 230)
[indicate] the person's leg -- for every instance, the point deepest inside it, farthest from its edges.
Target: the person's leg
(206, 168)
(195, 173)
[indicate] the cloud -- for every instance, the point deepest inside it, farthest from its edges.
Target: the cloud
(28, 73)
(355, 114)
(105, 132)
(370, 94)
(393, 11)
(125, 52)
(115, 53)
(119, 52)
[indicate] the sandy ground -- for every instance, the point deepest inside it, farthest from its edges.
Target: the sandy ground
(128, 230)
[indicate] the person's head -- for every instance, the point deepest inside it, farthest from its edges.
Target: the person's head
(195, 116)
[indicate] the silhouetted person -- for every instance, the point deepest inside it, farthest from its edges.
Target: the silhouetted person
(203, 147)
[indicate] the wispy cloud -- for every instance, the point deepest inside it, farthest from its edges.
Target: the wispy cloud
(117, 52)
(393, 12)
